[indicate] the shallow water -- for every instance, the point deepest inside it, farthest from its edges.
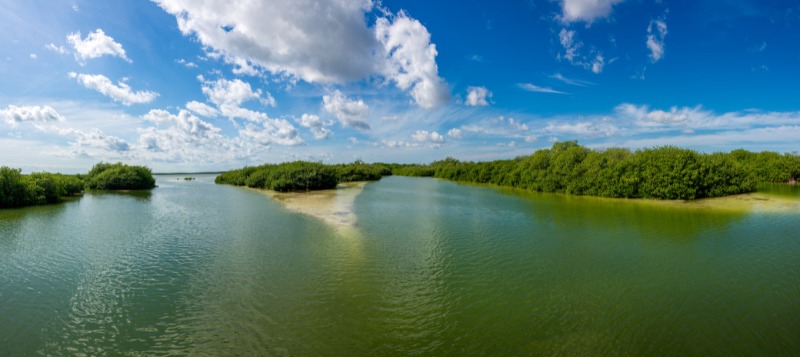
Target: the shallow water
(429, 267)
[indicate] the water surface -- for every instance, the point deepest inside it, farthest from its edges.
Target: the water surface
(430, 267)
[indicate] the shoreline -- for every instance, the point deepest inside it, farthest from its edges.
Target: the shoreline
(335, 207)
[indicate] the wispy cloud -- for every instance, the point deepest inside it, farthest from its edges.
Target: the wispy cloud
(534, 88)
(572, 82)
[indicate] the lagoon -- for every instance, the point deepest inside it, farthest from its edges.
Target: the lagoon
(414, 267)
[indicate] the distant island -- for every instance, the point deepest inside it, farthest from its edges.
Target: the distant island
(18, 190)
(668, 172)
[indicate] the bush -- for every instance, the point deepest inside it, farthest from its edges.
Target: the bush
(105, 176)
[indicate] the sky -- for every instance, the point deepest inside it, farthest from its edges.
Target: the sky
(205, 85)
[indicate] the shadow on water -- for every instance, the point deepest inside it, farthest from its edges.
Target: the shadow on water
(142, 196)
(673, 220)
(780, 189)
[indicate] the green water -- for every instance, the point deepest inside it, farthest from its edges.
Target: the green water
(431, 268)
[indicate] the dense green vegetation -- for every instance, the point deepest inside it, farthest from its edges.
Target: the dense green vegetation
(106, 176)
(18, 190)
(662, 173)
(302, 175)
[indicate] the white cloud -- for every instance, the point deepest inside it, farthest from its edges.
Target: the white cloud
(424, 136)
(96, 45)
(314, 41)
(202, 109)
(95, 143)
(57, 49)
(398, 144)
(225, 92)
(534, 88)
(186, 63)
(643, 116)
(586, 10)
(455, 133)
(33, 56)
(317, 42)
(568, 39)
(184, 137)
(121, 92)
(13, 115)
(498, 127)
(656, 33)
(351, 113)
(598, 63)
(316, 125)
(412, 59)
(584, 129)
(274, 131)
(477, 96)
(572, 82)
(571, 46)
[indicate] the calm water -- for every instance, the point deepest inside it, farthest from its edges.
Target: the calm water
(432, 268)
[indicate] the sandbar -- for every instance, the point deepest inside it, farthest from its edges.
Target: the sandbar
(334, 207)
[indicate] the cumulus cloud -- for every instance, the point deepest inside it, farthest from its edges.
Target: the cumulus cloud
(95, 143)
(586, 10)
(430, 137)
(412, 59)
(121, 92)
(455, 133)
(316, 125)
(656, 32)
(95, 45)
(225, 92)
(186, 63)
(202, 109)
(350, 112)
(317, 42)
(534, 88)
(274, 131)
(14, 115)
(184, 137)
(477, 96)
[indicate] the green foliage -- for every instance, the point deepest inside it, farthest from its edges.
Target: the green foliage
(302, 175)
(285, 177)
(660, 173)
(18, 190)
(359, 171)
(107, 176)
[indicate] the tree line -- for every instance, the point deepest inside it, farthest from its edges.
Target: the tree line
(664, 172)
(18, 190)
(302, 175)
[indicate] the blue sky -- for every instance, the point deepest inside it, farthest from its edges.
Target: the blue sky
(184, 85)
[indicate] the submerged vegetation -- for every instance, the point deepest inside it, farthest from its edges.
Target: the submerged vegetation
(302, 175)
(18, 190)
(659, 173)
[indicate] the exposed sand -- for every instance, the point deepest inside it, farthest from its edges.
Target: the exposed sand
(334, 207)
